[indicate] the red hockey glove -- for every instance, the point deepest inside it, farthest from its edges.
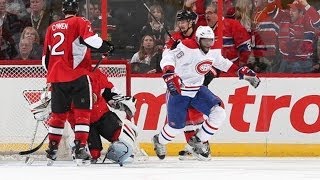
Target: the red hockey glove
(249, 75)
(173, 83)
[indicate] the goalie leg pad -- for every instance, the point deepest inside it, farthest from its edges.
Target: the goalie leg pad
(123, 146)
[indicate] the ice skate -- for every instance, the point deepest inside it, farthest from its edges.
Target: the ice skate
(201, 150)
(82, 157)
(52, 152)
(186, 154)
(160, 149)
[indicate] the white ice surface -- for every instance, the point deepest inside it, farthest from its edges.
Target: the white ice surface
(169, 169)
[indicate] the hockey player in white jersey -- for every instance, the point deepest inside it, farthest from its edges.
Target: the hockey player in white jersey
(184, 69)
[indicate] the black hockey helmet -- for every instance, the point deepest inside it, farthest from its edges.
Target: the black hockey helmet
(186, 15)
(70, 6)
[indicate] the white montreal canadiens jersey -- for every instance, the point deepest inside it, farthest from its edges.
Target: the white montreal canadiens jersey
(191, 63)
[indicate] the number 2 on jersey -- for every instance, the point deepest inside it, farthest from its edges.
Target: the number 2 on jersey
(54, 51)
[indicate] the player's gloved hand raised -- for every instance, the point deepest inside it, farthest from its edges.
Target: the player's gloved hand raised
(173, 82)
(249, 75)
(109, 51)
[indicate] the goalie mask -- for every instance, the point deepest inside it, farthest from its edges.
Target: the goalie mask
(121, 149)
(119, 152)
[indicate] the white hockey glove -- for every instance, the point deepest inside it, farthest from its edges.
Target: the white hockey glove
(124, 103)
(42, 109)
(249, 75)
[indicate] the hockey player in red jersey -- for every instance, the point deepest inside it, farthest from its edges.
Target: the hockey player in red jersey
(121, 133)
(66, 56)
(103, 122)
(184, 79)
(187, 27)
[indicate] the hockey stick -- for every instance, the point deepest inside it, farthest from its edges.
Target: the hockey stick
(104, 55)
(149, 11)
(34, 149)
(30, 97)
(32, 140)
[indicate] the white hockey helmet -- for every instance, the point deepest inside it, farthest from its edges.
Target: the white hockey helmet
(204, 32)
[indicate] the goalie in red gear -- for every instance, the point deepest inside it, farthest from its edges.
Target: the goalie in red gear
(67, 58)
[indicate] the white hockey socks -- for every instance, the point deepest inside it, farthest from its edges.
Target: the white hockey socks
(168, 133)
(210, 126)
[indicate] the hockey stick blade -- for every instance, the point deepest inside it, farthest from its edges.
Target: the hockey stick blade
(34, 149)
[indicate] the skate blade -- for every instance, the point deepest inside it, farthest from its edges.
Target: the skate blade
(29, 161)
(50, 162)
(188, 157)
(81, 162)
(197, 156)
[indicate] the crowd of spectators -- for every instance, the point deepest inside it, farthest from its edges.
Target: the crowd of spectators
(271, 36)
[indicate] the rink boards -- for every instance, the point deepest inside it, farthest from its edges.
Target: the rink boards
(279, 118)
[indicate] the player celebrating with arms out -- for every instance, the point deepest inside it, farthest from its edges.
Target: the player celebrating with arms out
(67, 58)
(184, 69)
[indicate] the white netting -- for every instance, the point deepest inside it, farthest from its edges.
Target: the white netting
(22, 85)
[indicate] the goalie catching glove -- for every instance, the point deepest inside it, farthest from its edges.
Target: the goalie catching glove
(249, 75)
(124, 103)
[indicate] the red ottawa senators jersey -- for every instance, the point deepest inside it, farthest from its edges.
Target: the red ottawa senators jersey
(67, 58)
(99, 82)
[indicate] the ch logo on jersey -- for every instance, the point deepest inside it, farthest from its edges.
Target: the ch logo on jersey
(203, 67)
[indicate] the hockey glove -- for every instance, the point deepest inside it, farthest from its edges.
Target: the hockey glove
(249, 75)
(124, 103)
(42, 109)
(173, 82)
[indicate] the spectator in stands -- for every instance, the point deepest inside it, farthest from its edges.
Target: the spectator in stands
(265, 33)
(11, 22)
(316, 66)
(311, 13)
(16, 7)
(83, 11)
(39, 17)
(243, 13)
(25, 50)
(236, 39)
(296, 42)
(141, 60)
(32, 34)
(7, 45)
(229, 10)
(154, 28)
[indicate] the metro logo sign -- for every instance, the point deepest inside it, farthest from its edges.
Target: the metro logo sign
(238, 102)
(154, 106)
(268, 106)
